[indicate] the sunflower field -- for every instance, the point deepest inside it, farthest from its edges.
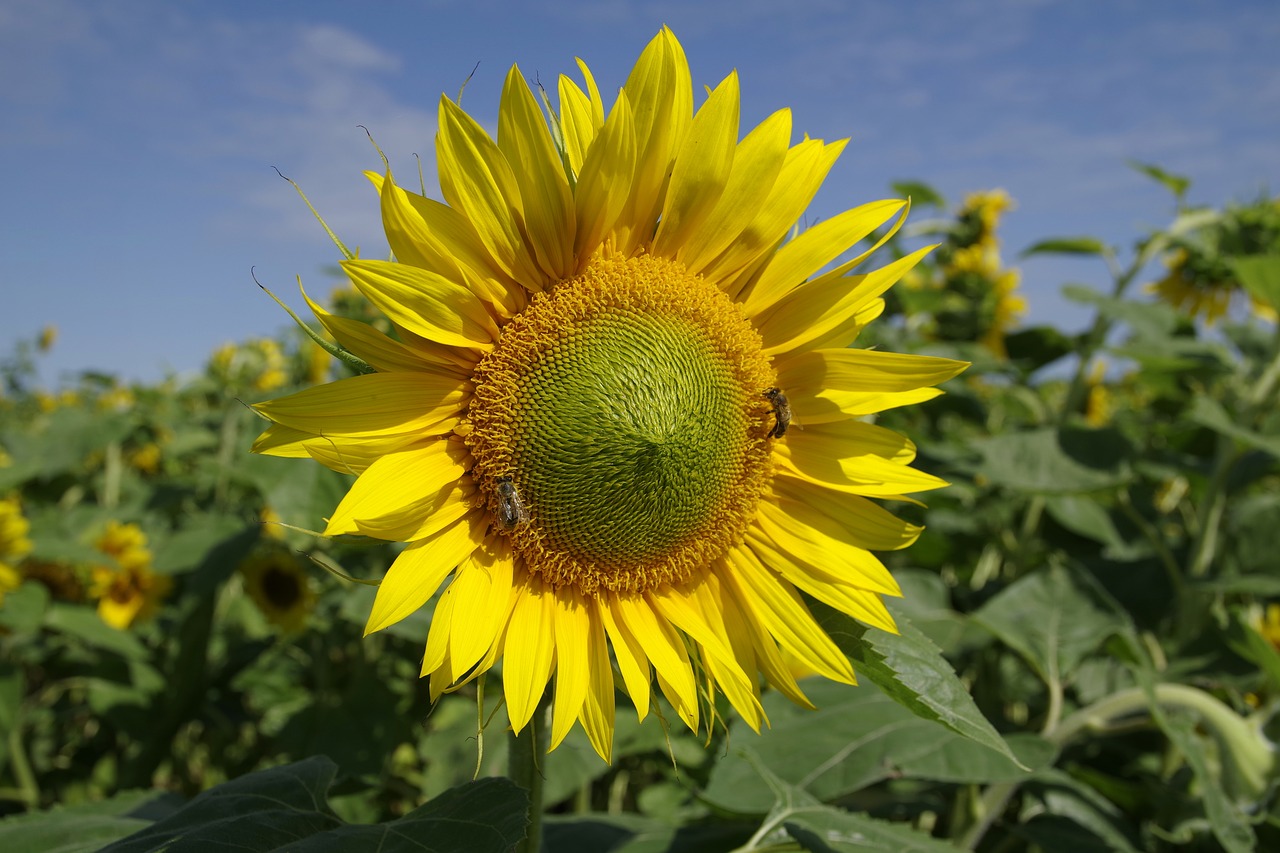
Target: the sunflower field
(615, 511)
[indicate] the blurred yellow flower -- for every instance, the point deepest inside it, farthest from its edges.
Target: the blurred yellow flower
(126, 544)
(117, 399)
(277, 583)
(1009, 307)
(10, 579)
(319, 363)
(1269, 625)
(272, 374)
(146, 458)
(1098, 405)
(271, 519)
(128, 596)
(128, 592)
(14, 527)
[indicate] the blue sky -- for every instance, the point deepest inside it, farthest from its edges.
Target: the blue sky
(138, 138)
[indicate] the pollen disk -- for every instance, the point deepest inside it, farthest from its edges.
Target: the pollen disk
(626, 406)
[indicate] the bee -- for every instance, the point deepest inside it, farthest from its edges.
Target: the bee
(781, 411)
(511, 509)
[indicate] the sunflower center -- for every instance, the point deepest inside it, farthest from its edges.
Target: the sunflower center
(620, 428)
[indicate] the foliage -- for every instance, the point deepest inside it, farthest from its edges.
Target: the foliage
(1087, 657)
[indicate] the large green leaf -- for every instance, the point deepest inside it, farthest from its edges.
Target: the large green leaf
(286, 808)
(796, 815)
(85, 624)
(1052, 620)
(1260, 275)
(857, 737)
(1208, 413)
(1050, 461)
(82, 828)
(911, 671)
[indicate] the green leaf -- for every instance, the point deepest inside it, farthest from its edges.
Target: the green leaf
(1038, 346)
(286, 808)
(1049, 461)
(1066, 246)
(85, 624)
(1176, 184)
(632, 833)
(911, 671)
(82, 828)
(1147, 320)
(1069, 815)
(856, 738)
(1208, 413)
(921, 194)
(1260, 275)
(1229, 822)
(487, 816)
(797, 815)
(1050, 619)
(24, 609)
(259, 812)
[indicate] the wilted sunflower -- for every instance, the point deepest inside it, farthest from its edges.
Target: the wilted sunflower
(604, 335)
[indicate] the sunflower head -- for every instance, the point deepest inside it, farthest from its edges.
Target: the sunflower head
(280, 587)
(612, 410)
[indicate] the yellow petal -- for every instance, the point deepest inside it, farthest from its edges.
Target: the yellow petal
(476, 180)
(756, 166)
(597, 710)
(666, 651)
(280, 440)
(660, 92)
(376, 404)
(803, 172)
(836, 373)
(748, 633)
(525, 142)
(573, 661)
(419, 570)
(825, 457)
(633, 663)
(702, 167)
(381, 352)
(354, 454)
(861, 604)
(685, 612)
(817, 541)
(578, 126)
(530, 651)
(866, 524)
(814, 248)
(394, 496)
(425, 303)
(819, 307)
(737, 681)
(604, 183)
(443, 241)
(483, 579)
(778, 607)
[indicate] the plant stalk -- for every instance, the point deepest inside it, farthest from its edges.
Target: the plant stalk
(524, 754)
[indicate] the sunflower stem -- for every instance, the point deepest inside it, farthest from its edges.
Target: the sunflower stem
(524, 752)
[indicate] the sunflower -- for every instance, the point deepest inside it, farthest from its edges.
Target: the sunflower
(620, 412)
(128, 592)
(279, 586)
